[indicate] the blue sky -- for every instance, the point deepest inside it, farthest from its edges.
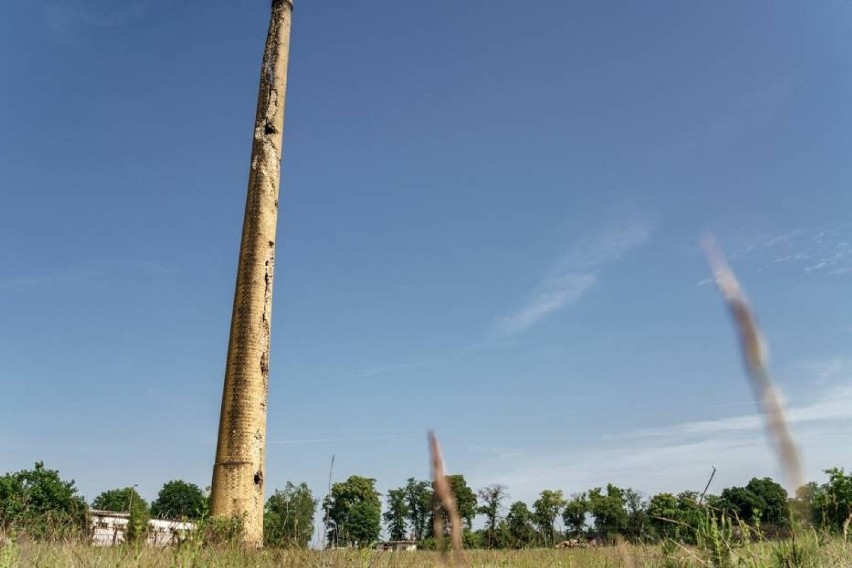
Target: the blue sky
(489, 226)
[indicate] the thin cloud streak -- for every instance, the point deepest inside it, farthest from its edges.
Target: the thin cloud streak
(382, 370)
(572, 276)
(89, 274)
(66, 18)
(835, 404)
(816, 251)
(736, 444)
(342, 439)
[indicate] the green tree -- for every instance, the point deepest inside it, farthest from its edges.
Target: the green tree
(833, 502)
(474, 539)
(126, 499)
(520, 525)
(803, 504)
(761, 501)
(664, 516)
(418, 499)
(545, 511)
(574, 514)
(288, 520)
(465, 499)
(692, 515)
(179, 500)
(609, 510)
(397, 514)
(678, 517)
(637, 528)
(491, 499)
(354, 512)
(776, 511)
(503, 536)
(39, 503)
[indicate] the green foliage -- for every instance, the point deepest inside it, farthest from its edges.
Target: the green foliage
(354, 512)
(545, 511)
(418, 500)
(664, 516)
(761, 502)
(638, 526)
(803, 506)
(39, 503)
(9, 552)
(609, 510)
(288, 520)
(179, 500)
(474, 539)
(690, 512)
(715, 538)
(503, 536)
(126, 499)
(397, 514)
(776, 510)
(491, 499)
(218, 531)
(574, 515)
(520, 525)
(832, 502)
(465, 502)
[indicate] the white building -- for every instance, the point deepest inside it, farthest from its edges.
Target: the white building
(393, 545)
(165, 533)
(109, 528)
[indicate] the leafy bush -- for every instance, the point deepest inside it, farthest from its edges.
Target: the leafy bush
(288, 519)
(40, 504)
(179, 500)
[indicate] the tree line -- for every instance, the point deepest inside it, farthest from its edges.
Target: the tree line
(40, 504)
(43, 505)
(354, 516)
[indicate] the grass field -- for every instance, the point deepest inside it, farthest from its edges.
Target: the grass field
(813, 551)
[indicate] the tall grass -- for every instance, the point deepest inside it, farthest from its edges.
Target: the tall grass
(444, 496)
(818, 551)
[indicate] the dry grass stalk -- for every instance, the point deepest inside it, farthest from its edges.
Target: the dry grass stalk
(444, 493)
(754, 354)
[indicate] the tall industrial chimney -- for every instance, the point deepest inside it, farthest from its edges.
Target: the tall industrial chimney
(238, 473)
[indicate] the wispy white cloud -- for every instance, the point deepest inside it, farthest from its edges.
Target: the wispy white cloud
(339, 440)
(376, 370)
(572, 276)
(753, 107)
(679, 456)
(821, 371)
(87, 274)
(57, 277)
(497, 452)
(72, 16)
(826, 251)
(836, 404)
(300, 441)
(729, 116)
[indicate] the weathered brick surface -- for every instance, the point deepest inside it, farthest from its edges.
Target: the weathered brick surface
(238, 473)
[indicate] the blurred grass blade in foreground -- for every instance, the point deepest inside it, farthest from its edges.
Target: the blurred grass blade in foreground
(754, 355)
(444, 494)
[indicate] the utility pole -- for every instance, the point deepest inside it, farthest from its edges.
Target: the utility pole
(130, 503)
(238, 472)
